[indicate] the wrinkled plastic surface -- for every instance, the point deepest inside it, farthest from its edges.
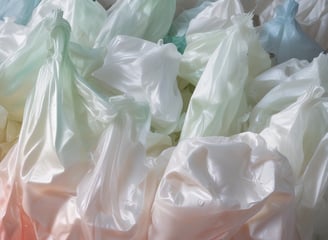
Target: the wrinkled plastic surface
(283, 37)
(85, 17)
(215, 16)
(19, 10)
(218, 104)
(287, 91)
(72, 150)
(147, 72)
(204, 35)
(12, 36)
(146, 19)
(312, 16)
(299, 132)
(224, 188)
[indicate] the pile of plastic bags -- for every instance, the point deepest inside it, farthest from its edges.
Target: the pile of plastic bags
(159, 120)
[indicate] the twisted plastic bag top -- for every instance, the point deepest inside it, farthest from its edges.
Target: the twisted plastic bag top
(283, 36)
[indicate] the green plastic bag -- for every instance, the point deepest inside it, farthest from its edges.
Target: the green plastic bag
(218, 105)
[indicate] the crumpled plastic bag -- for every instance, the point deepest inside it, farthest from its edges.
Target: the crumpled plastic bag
(215, 16)
(218, 104)
(312, 16)
(300, 132)
(82, 153)
(266, 81)
(86, 18)
(147, 19)
(283, 37)
(19, 10)
(147, 72)
(288, 90)
(224, 188)
(204, 35)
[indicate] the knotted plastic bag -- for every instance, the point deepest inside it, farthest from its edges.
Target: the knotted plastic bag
(19, 10)
(283, 36)
(147, 72)
(147, 19)
(86, 18)
(73, 145)
(218, 104)
(224, 188)
(312, 16)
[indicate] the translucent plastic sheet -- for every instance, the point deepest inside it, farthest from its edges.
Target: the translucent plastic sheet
(224, 188)
(312, 16)
(283, 37)
(204, 35)
(147, 72)
(288, 90)
(218, 104)
(12, 36)
(19, 10)
(147, 19)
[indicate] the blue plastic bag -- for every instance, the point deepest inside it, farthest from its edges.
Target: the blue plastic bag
(283, 36)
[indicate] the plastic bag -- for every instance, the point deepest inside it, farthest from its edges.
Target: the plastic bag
(20, 10)
(299, 132)
(203, 37)
(74, 144)
(147, 72)
(146, 19)
(283, 37)
(312, 16)
(266, 81)
(224, 188)
(218, 104)
(287, 92)
(215, 16)
(86, 18)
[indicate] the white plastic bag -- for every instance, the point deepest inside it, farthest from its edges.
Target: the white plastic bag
(147, 19)
(224, 188)
(299, 132)
(147, 72)
(289, 89)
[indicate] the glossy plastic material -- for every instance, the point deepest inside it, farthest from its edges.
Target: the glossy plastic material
(218, 104)
(147, 19)
(147, 72)
(224, 188)
(283, 36)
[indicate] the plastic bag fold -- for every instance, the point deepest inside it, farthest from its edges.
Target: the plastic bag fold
(203, 36)
(283, 37)
(147, 72)
(73, 143)
(224, 188)
(149, 20)
(218, 104)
